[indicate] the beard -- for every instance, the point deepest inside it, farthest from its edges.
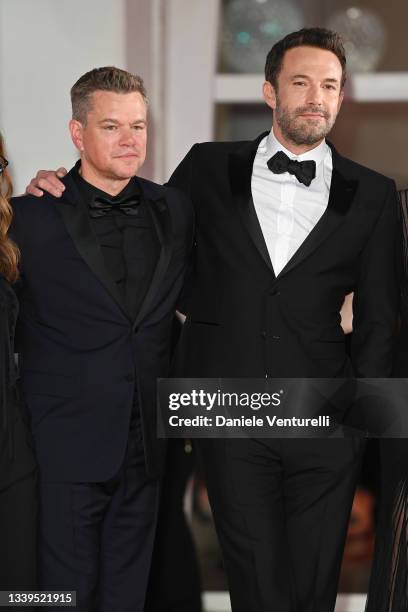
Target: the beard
(303, 131)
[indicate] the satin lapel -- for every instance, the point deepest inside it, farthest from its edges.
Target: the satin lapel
(240, 173)
(160, 215)
(77, 223)
(341, 195)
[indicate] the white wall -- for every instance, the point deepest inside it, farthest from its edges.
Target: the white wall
(190, 62)
(45, 45)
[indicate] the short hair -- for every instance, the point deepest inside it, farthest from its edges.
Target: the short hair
(107, 78)
(307, 37)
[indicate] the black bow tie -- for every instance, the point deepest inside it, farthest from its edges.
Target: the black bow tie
(101, 206)
(304, 171)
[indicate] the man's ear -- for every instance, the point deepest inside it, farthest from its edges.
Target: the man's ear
(269, 94)
(76, 130)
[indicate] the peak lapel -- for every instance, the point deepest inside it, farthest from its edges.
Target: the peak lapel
(240, 173)
(160, 215)
(341, 196)
(76, 220)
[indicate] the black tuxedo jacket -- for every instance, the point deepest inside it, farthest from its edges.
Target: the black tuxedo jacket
(82, 356)
(243, 320)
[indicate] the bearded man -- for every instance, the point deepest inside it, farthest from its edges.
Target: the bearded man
(286, 228)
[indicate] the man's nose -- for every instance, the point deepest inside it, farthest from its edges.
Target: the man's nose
(315, 95)
(128, 137)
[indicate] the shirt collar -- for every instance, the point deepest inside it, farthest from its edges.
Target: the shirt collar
(317, 154)
(89, 191)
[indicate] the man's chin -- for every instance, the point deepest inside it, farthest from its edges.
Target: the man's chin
(126, 170)
(308, 137)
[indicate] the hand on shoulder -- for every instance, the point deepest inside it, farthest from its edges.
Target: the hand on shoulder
(47, 180)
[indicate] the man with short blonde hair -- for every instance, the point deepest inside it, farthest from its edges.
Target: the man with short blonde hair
(103, 267)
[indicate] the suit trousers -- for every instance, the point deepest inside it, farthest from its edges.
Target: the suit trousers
(97, 538)
(281, 509)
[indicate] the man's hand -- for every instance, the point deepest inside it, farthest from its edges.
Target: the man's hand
(47, 180)
(346, 314)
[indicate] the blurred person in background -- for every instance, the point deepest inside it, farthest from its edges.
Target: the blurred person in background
(18, 493)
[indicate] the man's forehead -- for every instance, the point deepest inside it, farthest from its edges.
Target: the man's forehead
(102, 101)
(113, 98)
(309, 57)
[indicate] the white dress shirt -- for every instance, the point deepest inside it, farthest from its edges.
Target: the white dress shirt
(288, 210)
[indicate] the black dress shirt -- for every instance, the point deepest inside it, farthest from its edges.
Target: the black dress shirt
(129, 244)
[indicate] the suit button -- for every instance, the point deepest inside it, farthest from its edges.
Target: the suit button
(263, 334)
(130, 377)
(136, 329)
(274, 292)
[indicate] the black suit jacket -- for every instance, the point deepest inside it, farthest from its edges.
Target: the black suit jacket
(82, 356)
(245, 321)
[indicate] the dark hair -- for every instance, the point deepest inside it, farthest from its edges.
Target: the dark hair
(107, 78)
(307, 37)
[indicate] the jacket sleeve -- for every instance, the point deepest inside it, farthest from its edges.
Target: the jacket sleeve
(182, 179)
(377, 294)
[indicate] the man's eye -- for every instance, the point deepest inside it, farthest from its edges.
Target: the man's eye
(299, 83)
(329, 86)
(138, 127)
(110, 127)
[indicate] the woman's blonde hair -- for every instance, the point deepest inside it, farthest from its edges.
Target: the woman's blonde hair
(9, 253)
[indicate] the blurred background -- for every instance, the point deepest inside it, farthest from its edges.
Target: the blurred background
(202, 62)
